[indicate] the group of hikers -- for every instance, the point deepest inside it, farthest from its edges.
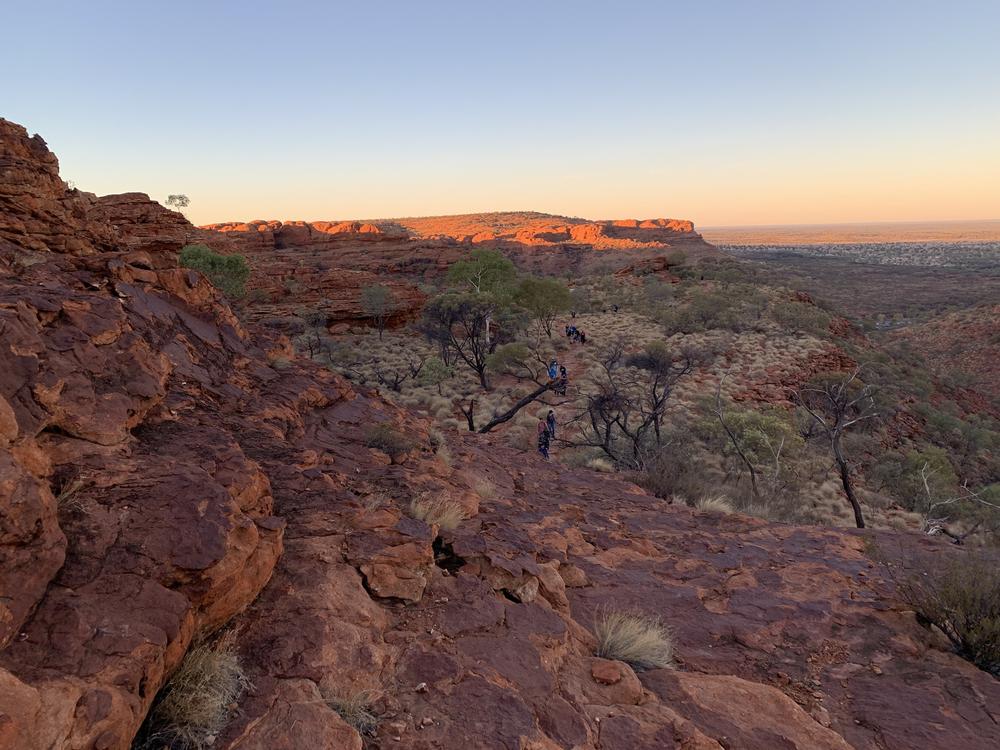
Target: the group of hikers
(546, 433)
(559, 375)
(575, 334)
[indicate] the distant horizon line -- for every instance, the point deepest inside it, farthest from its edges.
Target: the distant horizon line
(850, 223)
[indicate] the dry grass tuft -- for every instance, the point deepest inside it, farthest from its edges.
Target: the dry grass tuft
(441, 511)
(714, 504)
(641, 640)
(602, 465)
(443, 452)
(196, 701)
(484, 488)
(356, 710)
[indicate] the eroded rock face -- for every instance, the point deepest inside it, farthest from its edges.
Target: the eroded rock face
(155, 460)
(323, 266)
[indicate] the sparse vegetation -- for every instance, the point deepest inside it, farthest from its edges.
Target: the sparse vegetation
(962, 599)
(228, 273)
(714, 504)
(378, 303)
(197, 700)
(355, 708)
(635, 638)
(389, 440)
(443, 512)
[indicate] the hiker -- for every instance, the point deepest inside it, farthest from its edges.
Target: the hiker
(553, 370)
(550, 422)
(615, 308)
(543, 439)
(583, 337)
(568, 331)
(563, 381)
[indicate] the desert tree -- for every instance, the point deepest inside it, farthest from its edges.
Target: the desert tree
(836, 403)
(756, 443)
(943, 503)
(485, 272)
(460, 322)
(394, 375)
(580, 300)
(378, 303)
(545, 299)
(178, 201)
(435, 372)
(626, 407)
(527, 359)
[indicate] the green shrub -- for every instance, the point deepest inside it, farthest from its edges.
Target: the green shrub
(228, 273)
(800, 317)
(962, 599)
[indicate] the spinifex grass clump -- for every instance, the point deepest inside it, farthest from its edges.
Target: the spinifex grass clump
(355, 708)
(442, 511)
(196, 702)
(635, 638)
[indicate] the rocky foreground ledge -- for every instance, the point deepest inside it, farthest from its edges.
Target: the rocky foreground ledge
(168, 472)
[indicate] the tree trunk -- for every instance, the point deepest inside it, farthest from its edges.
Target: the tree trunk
(845, 479)
(512, 412)
(469, 414)
(483, 381)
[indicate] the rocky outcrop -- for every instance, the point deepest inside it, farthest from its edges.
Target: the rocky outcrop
(140, 223)
(303, 267)
(157, 455)
(37, 212)
(423, 248)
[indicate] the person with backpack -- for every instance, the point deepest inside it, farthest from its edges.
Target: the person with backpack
(563, 381)
(543, 439)
(550, 423)
(553, 370)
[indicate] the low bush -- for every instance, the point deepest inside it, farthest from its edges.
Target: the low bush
(355, 708)
(800, 317)
(961, 599)
(714, 504)
(228, 273)
(386, 438)
(194, 705)
(635, 638)
(443, 512)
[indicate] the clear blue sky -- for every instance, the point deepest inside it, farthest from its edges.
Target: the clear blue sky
(721, 112)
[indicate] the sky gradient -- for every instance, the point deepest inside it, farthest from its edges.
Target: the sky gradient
(719, 112)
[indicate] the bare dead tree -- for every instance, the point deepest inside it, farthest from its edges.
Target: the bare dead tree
(836, 405)
(393, 377)
(624, 414)
(935, 523)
